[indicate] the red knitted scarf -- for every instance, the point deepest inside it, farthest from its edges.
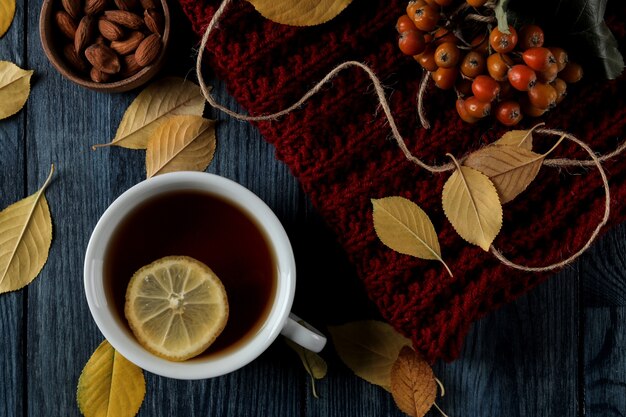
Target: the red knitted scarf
(338, 146)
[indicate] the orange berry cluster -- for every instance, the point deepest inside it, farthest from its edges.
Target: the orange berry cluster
(505, 74)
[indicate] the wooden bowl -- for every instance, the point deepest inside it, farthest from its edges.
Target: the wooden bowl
(52, 41)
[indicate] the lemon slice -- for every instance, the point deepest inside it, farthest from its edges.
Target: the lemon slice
(176, 307)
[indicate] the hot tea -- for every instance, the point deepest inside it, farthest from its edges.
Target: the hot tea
(210, 229)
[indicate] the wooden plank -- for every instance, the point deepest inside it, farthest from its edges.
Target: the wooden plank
(86, 183)
(605, 362)
(521, 360)
(604, 326)
(12, 189)
(329, 293)
(603, 272)
(63, 121)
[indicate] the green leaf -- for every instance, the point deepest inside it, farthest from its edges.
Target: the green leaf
(501, 17)
(577, 26)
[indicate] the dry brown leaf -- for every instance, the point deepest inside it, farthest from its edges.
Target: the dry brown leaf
(413, 385)
(510, 168)
(313, 363)
(404, 227)
(14, 88)
(519, 138)
(26, 230)
(7, 12)
(300, 12)
(471, 204)
(181, 143)
(369, 348)
(110, 385)
(167, 97)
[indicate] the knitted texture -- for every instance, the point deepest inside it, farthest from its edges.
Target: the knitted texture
(338, 145)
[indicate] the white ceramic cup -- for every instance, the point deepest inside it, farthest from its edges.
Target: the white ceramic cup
(279, 319)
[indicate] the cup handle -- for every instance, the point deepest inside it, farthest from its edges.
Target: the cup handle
(303, 333)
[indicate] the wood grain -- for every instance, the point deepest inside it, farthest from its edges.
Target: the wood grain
(605, 364)
(604, 326)
(604, 271)
(12, 189)
(521, 360)
(558, 351)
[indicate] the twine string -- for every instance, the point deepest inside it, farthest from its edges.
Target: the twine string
(605, 218)
(378, 88)
(420, 100)
(384, 104)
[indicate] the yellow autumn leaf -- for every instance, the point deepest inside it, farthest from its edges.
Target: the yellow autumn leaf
(313, 363)
(181, 143)
(26, 235)
(510, 168)
(7, 12)
(14, 88)
(369, 348)
(300, 12)
(164, 98)
(404, 227)
(110, 385)
(471, 204)
(413, 385)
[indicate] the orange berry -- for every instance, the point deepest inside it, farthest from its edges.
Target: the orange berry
(560, 56)
(508, 113)
(473, 64)
(445, 77)
(543, 96)
(485, 88)
(561, 89)
(412, 43)
(530, 36)
(427, 59)
(498, 66)
(460, 108)
(447, 55)
(405, 24)
(572, 73)
(477, 108)
(425, 18)
(539, 59)
(503, 42)
(522, 77)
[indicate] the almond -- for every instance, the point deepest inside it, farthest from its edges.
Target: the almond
(148, 4)
(95, 6)
(100, 40)
(103, 58)
(98, 76)
(130, 66)
(66, 24)
(72, 58)
(124, 18)
(128, 45)
(126, 4)
(110, 30)
(154, 21)
(72, 7)
(84, 33)
(148, 50)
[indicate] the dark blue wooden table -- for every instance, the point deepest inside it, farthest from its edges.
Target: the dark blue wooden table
(559, 351)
